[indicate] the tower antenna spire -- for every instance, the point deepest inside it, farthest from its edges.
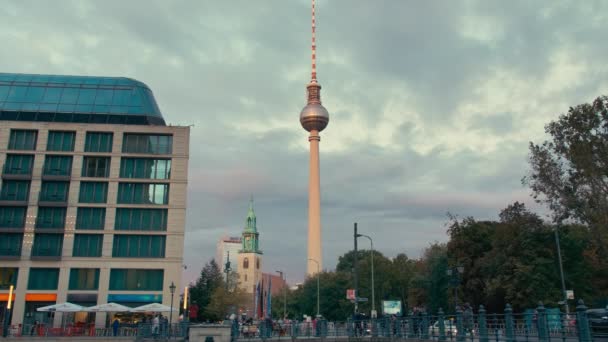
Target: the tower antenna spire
(313, 76)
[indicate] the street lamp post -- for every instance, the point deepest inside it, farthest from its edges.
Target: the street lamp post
(284, 277)
(186, 299)
(172, 289)
(318, 291)
(454, 274)
(7, 312)
(373, 313)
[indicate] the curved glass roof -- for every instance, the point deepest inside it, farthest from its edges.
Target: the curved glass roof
(86, 99)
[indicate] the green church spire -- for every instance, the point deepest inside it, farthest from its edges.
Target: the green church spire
(250, 234)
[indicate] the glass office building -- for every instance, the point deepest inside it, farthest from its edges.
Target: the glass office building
(92, 194)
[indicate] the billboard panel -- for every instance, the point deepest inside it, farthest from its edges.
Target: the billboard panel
(391, 307)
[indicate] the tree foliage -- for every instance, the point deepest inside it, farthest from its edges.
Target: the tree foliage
(201, 292)
(569, 173)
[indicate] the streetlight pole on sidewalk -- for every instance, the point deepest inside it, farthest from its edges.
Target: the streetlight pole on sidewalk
(373, 313)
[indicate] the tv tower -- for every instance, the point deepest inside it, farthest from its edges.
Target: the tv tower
(314, 118)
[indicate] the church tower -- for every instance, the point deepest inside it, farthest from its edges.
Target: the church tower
(250, 255)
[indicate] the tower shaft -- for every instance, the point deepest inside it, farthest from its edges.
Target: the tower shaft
(314, 207)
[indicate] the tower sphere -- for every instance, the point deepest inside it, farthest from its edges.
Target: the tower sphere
(314, 117)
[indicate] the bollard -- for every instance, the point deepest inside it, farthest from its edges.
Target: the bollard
(509, 328)
(460, 334)
(541, 323)
(410, 326)
(425, 326)
(441, 324)
(483, 325)
(584, 334)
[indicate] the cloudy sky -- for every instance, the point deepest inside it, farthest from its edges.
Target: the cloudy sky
(432, 104)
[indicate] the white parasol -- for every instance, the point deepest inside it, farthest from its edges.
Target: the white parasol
(63, 307)
(153, 307)
(109, 307)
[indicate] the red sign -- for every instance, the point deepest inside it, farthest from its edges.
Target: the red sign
(193, 311)
(350, 294)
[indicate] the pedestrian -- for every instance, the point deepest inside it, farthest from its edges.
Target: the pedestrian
(155, 325)
(115, 326)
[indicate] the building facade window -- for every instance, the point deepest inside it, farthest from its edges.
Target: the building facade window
(54, 191)
(84, 279)
(15, 190)
(147, 143)
(8, 277)
(61, 141)
(139, 246)
(136, 280)
(18, 164)
(87, 245)
(257, 263)
(43, 279)
(12, 217)
(90, 218)
(145, 168)
(143, 193)
(141, 219)
(23, 139)
(98, 142)
(246, 263)
(96, 167)
(93, 192)
(57, 166)
(10, 244)
(50, 218)
(47, 245)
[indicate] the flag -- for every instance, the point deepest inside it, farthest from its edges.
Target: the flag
(256, 295)
(269, 294)
(260, 304)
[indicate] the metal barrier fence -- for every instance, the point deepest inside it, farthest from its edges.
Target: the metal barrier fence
(140, 330)
(534, 325)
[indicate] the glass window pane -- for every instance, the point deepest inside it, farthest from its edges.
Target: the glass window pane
(90, 218)
(58, 165)
(93, 192)
(147, 143)
(18, 164)
(12, 217)
(87, 245)
(43, 279)
(15, 190)
(143, 193)
(98, 142)
(60, 141)
(35, 94)
(8, 277)
(136, 280)
(47, 245)
(22, 139)
(52, 95)
(54, 191)
(86, 96)
(84, 279)
(51, 218)
(69, 96)
(96, 166)
(17, 94)
(10, 244)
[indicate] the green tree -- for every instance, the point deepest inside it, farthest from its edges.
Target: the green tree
(201, 291)
(224, 302)
(569, 172)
